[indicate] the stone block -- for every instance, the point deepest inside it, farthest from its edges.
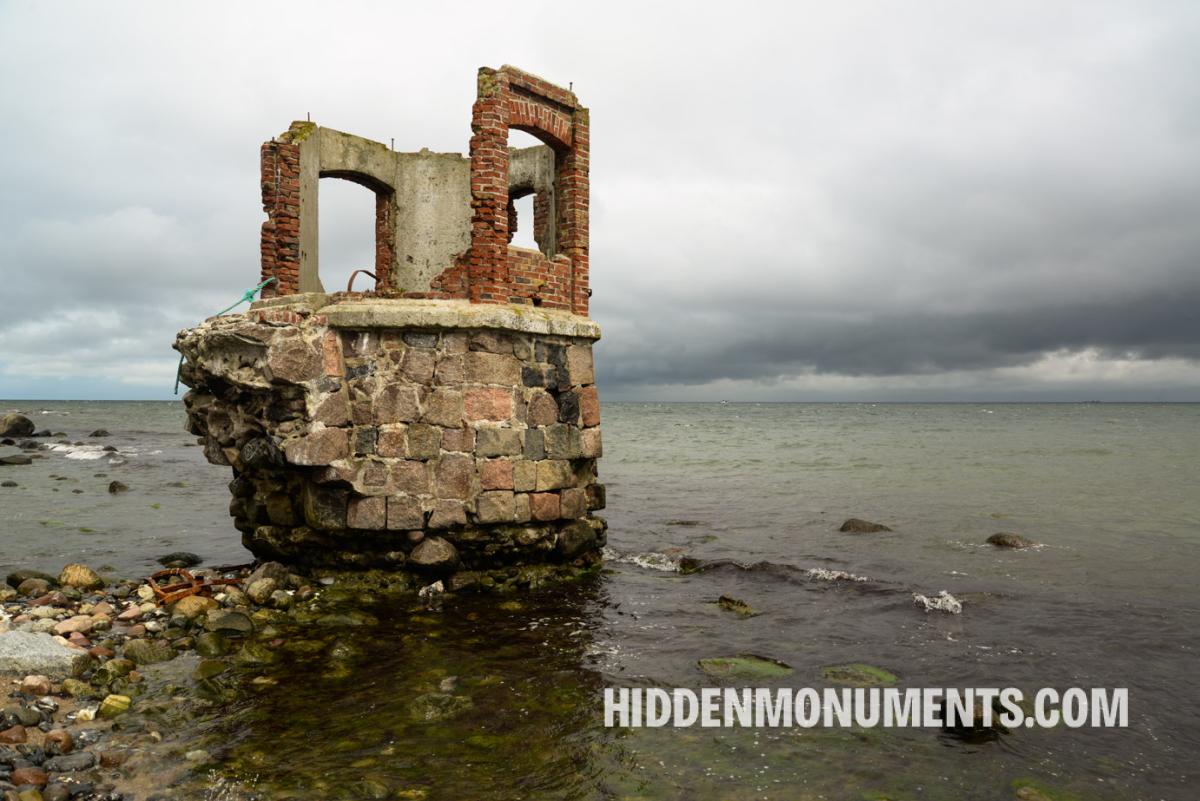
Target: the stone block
(551, 352)
(491, 342)
(450, 371)
(454, 342)
(562, 441)
(590, 445)
(368, 513)
(589, 406)
(579, 365)
(447, 514)
(325, 507)
(418, 365)
(544, 505)
(488, 403)
(458, 439)
(411, 477)
(495, 507)
(535, 444)
(404, 512)
(444, 407)
(554, 474)
(333, 411)
(452, 476)
(495, 474)
(568, 407)
(424, 441)
(596, 497)
(393, 442)
(331, 354)
(396, 403)
(576, 539)
(374, 478)
(421, 339)
(543, 411)
(365, 438)
(524, 475)
(572, 503)
(318, 447)
(294, 361)
(492, 368)
(521, 508)
(497, 442)
(280, 510)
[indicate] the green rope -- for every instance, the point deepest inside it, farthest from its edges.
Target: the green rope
(247, 297)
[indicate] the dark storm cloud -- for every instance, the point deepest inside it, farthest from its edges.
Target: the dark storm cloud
(784, 196)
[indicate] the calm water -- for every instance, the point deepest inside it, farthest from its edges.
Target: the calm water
(1110, 601)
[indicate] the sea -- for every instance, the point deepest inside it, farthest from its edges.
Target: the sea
(754, 493)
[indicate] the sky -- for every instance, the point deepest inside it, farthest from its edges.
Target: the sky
(799, 201)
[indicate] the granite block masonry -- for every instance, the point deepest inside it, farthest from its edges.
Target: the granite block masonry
(445, 423)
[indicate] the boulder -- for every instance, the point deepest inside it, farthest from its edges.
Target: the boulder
(33, 587)
(858, 526)
(25, 652)
(16, 459)
(15, 578)
(260, 590)
(81, 577)
(99, 432)
(271, 570)
(1004, 539)
(16, 425)
(36, 684)
(117, 487)
(193, 606)
(434, 553)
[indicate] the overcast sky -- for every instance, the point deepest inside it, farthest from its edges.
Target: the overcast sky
(793, 201)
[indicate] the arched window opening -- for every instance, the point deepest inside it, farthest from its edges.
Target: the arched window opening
(350, 232)
(532, 212)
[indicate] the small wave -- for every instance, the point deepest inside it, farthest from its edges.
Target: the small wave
(651, 560)
(80, 452)
(825, 574)
(942, 602)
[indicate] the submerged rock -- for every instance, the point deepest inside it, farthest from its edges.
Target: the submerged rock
(99, 432)
(858, 674)
(148, 652)
(438, 706)
(736, 606)
(858, 526)
(179, 559)
(1004, 539)
(744, 666)
(16, 459)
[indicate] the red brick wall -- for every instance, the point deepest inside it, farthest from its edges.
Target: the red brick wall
(280, 243)
(509, 98)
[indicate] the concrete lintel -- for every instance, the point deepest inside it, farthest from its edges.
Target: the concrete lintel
(397, 313)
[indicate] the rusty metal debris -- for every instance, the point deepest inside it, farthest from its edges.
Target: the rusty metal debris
(190, 585)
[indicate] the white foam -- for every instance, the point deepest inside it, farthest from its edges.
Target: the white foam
(942, 602)
(652, 560)
(80, 452)
(834, 575)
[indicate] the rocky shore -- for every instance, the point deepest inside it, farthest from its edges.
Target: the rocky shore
(101, 674)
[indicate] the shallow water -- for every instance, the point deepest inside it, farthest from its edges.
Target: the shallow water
(1109, 601)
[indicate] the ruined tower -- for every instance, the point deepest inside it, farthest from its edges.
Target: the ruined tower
(446, 422)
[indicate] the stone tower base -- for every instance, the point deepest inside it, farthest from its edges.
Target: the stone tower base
(437, 438)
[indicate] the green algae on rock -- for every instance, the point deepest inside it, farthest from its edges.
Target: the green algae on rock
(858, 674)
(745, 666)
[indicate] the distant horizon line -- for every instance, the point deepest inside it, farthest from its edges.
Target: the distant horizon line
(718, 402)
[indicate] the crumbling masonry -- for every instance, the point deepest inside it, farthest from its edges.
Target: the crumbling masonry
(445, 423)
